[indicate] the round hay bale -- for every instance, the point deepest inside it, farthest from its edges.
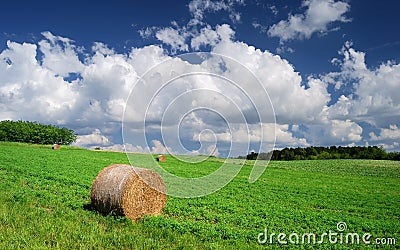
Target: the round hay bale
(161, 158)
(56, 147)
(119, 189)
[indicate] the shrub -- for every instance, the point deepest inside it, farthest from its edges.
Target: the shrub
(33, 132)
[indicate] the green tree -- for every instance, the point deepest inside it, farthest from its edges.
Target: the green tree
(33, 132)
(324, 155)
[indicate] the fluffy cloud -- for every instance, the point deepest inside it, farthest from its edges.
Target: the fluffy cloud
(94, 139)
(59, 54)
(292, 102)
(195, 32)
(251, 134)
(207, 36)
(126, 148)
(174, 38)
(198, 8)
(391, 133)
(177, 38)
(32, 91)
(338, 131)
(318, 16)
(159, 148)
(374, 98)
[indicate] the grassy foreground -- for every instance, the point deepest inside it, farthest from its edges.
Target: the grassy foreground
(43, 195)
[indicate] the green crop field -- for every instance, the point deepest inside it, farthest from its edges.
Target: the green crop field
(45, 195)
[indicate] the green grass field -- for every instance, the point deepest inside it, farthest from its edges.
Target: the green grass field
(44, 195)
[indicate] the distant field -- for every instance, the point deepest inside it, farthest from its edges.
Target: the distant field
(44, 194)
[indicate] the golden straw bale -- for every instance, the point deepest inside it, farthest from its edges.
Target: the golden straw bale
(119, 189)
(161, 158)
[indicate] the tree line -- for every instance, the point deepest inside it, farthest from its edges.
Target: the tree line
(318, 153)
(33, 132)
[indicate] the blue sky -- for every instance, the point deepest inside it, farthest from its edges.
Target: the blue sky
(116, 23)
(74, 63)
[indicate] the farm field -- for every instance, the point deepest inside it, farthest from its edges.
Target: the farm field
(45, 195)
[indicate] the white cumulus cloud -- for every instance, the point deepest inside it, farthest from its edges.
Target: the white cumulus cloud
(59, 54)
(173, 37)
(318, 17)
(96, 138)
(374, 98)
(391, 133)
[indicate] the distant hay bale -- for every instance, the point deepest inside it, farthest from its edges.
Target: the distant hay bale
(56, 147)
(119, 189)
(161, 158)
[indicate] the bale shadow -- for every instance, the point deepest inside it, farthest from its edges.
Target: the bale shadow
(112, 214)
(89, 207)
